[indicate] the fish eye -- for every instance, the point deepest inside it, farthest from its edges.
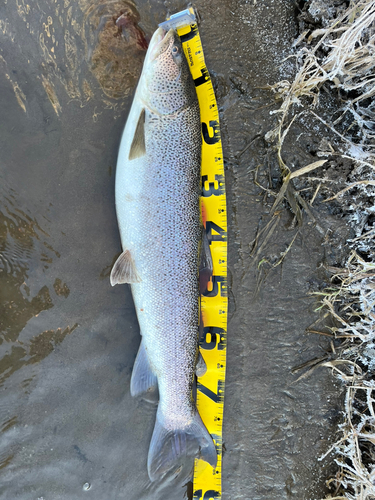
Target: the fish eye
(175, 50)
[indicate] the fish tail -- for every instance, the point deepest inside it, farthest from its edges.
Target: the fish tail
(171, 450)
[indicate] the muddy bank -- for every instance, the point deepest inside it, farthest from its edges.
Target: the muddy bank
(70, 427)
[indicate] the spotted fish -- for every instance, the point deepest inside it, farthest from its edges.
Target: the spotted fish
(157, 205)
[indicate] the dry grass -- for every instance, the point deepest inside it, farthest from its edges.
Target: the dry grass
(349, 66)
(352, 305)
(342, 57)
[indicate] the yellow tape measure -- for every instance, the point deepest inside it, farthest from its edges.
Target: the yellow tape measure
(214, 301)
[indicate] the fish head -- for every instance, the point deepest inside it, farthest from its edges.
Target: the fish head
(167, 83)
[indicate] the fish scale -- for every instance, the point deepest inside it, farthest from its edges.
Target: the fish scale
(158, 211)
(168, 292)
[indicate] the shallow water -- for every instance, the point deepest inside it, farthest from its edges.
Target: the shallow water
(69, 427)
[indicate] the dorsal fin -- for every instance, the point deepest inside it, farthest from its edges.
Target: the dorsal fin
(124, 270)
(138, 146)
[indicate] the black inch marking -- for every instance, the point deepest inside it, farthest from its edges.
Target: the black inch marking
(209, 495)
(211, 226)
(211, 186)
(192, 33)
(217, 336)
(214, 124)
(217, 397)
(202, 79)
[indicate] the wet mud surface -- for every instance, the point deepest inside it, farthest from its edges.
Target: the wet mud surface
(69, 427)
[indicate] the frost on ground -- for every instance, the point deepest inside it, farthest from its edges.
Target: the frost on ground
(352, 303)
(335, 53)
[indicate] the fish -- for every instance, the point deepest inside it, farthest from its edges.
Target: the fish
(157, 191)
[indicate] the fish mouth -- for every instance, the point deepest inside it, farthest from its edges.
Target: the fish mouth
(159, 43)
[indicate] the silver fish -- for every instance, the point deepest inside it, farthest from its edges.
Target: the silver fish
(157, 205)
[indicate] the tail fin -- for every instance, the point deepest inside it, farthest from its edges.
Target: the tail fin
(170, 450)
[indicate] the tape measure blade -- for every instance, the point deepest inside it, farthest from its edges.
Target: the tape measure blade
(211, 386)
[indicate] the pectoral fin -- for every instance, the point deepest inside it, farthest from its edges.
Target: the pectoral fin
(138, 146)
(124, 270)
